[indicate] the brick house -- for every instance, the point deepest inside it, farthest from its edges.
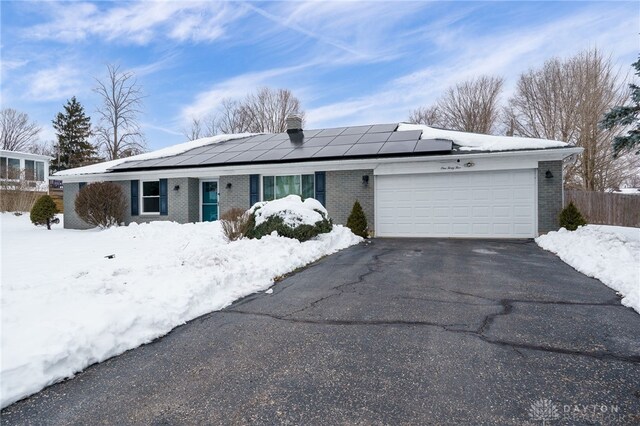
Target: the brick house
(412, 181)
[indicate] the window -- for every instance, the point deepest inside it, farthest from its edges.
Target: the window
(13, 169)
(40, 171)
(151, 197)
(274, 187)
(3, 167)
(29, 170)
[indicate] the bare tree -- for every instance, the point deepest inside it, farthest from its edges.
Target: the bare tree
(201, 127)
(263, 111)
(565, 100)
(431, 116)
(17, 132)
(473, 105)
(118, 131)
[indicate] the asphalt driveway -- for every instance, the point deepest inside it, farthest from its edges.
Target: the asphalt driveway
(387, 332)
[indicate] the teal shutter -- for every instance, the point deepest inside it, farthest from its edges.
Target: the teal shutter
(254, 189)
(81, 185)
(320, 188)
(135, 202)
(164, 201)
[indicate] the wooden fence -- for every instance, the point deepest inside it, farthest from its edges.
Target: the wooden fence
(604, 208)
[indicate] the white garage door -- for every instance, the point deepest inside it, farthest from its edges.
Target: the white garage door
(471, 204)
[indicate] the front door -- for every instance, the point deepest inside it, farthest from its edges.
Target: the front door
(209, 201)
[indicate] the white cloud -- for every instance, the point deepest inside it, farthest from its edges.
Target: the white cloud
(55, 83)
(139, 22)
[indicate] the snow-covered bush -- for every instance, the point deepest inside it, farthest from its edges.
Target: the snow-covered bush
(234, 223)
(101, 204)
(43, 211)
(289, 217)
(571, 218)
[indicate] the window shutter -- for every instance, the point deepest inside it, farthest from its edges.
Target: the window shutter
(320, 188)
(254, 189)
(135, 203)
(81, 185)
(164, 202)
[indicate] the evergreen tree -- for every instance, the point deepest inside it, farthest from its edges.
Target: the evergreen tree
(73, 129)
(43, 211)
(571, 218)
(628, 115)
(357, 221)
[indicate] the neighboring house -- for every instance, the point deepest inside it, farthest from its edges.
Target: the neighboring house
(412, 181)
(23, 170)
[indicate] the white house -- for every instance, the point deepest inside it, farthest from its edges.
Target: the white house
(32, 168)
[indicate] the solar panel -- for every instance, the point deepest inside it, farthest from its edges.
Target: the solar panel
(357, 141)
(364, 149)
(374, 137)
(401, 147)
(333, 151)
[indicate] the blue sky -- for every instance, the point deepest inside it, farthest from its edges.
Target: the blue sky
(348, 62)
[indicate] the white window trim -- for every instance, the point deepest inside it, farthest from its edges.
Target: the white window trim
(201, 181)
(284, 174)
(142, 197)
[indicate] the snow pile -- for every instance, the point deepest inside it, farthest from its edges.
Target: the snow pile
(161, 153)
(78, 307)
(479, 142)
(291, 209)
(608, 253)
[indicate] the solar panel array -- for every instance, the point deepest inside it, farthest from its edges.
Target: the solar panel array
(341, 142)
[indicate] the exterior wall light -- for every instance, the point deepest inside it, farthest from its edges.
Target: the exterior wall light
(469, 164)
(177, 187)
(548, 174)
(228, 185)
(365, 180)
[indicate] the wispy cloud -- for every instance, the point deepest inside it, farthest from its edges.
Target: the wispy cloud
(55, 83)
(139, 22)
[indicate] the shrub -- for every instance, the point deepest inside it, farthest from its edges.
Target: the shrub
(20, 195)
(43, 211)
(357, 221)
(101, 204)
(235, 223)
(288, 217)
(571, 218)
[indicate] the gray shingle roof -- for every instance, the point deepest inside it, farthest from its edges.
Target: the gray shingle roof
(321, 144)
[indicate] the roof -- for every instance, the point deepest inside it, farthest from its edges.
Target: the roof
(369, 141)
(7, 153)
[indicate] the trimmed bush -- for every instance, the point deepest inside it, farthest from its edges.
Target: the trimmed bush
(43, 211)
(357, 221)
(235, 223)
(101, 204)
(571, 218)
(289, 217)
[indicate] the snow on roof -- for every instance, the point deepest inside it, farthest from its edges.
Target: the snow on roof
(161, 153)
(479, 142)
(8, 153)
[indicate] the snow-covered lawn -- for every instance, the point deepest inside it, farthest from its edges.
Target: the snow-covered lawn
(608, 253)
(66, 306)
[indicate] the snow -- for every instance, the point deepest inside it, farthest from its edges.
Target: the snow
(78, 307)
(165, 152)
(479, 142)
(292, 209)
(608, 253)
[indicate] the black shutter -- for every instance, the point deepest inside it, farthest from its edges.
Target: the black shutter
(135, 203)
(254, 189)
(164, 202)
(320, 188)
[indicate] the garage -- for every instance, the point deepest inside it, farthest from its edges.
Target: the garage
(483, 204)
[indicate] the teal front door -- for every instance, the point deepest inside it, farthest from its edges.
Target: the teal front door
(209, 201)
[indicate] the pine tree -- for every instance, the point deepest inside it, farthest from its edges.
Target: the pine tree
(626, 116)
(571, 218)
(357, 221)
(43, 211)
(73, 129)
